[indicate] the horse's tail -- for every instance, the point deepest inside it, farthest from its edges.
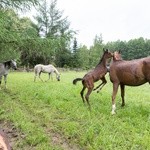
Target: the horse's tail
(77, 79)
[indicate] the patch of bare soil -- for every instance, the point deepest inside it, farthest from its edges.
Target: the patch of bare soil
(12, 134)
(59, 140)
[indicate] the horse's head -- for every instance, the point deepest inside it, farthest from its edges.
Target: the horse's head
(117, 56)
(107, 54)
(13, 64)
(58, 77)
(57, 74)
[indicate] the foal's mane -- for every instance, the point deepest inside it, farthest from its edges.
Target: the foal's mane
(102, 57)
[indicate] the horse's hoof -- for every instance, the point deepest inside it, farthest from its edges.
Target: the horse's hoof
(113, 113)
(122, 105)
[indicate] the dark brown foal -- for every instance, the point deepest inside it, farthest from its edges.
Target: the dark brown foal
(95, 75)
(132, 73)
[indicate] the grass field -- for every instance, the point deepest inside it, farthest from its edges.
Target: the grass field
(51, 115)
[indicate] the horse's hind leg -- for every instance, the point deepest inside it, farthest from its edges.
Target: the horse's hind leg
(0, 81)
(35, 77)
(82, 92)
(49, 74)
(87, 96)
(40, 76)
(122, 94)
(5, 80)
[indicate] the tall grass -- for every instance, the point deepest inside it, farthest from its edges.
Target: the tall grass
(52, 115)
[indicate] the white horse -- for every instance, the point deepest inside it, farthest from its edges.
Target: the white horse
(50, 69)
(4, 69)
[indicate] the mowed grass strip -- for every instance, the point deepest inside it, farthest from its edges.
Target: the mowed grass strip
(43, 110)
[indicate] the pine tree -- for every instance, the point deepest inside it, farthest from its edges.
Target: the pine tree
(51, 22)
(19, 4)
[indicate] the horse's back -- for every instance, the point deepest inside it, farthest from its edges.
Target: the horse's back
(38, 68)
(133, 73)
(44, 68)
(131, 65)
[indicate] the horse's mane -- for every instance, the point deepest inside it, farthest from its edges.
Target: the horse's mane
(56, 71)
(117, 56)
(101, 58)
(7, 63)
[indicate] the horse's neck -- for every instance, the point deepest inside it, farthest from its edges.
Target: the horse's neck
(117, 60)
(7, 65)
(102, 63)
(56, 71)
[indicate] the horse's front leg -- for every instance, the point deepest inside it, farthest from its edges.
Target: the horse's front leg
(40, 76)
(115, 89)
(35, 77)
(87, 96)
(103, 83)
(49, 74)
(52, 75)
(97, 87)
(5, 80)
(0, 81)
(82, 92)
(122, 94)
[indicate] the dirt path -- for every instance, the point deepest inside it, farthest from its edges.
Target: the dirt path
(15, 136)
(12, 134)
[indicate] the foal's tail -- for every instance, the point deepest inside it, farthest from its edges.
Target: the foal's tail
(77, 79)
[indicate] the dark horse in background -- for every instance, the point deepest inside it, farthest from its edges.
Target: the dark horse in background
(95, 75)
(132, 73)
(4, 69)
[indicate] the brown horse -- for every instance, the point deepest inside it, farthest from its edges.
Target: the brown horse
(132, 73)
(4, 144)
(95, 75)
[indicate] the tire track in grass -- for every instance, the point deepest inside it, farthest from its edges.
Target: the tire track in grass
(21, 116)
(32, 111)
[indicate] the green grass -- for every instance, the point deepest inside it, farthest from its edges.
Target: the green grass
(52, 110)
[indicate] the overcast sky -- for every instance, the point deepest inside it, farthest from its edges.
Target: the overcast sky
(114, 19)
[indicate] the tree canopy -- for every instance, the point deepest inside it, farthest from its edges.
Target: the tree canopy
(50, 39)
(18, 4)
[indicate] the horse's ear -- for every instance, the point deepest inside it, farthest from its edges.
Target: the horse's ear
(119, 51)
(105, 50)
